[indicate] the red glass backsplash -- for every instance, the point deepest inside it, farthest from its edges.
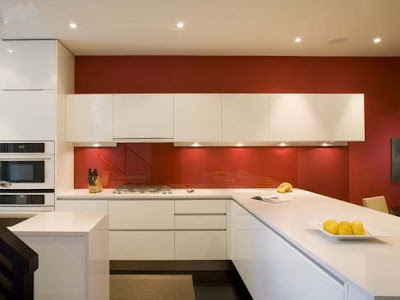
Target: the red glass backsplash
(158, 164)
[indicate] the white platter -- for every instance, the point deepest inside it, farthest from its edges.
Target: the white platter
(370, 233)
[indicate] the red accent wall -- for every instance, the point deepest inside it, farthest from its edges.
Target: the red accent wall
(361, 170)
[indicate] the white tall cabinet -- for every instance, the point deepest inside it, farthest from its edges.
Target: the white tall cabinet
(245, 118)
(143, 116)
(28, 65)
(89, 118)
(197, 118)
(27, 115)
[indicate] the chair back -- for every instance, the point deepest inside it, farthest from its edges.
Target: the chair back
(377, 203)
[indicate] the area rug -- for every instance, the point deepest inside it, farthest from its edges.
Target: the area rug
(151, 287)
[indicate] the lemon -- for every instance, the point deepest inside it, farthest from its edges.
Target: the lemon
(344, 229)
(331, 226)
(358, 228)
(344, 223)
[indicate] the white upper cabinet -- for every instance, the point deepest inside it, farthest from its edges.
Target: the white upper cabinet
(27, 115)
(245, 118)
(141, 116)
(197, 118)
(89, 118)
(340, 117)
(28, 65)
(293, 117)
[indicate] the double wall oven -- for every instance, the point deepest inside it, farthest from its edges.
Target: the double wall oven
(27, 176)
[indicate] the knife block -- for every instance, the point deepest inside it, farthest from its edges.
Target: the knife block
(97, 187)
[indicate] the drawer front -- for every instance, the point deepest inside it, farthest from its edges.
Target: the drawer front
(141, 245)
(139, 214)
(200, 222)
(200, 245)
(200, 206)
(82, 205)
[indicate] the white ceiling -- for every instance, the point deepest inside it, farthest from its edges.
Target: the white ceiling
(217, 27)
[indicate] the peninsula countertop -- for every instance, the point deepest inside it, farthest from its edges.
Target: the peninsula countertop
(373, 266)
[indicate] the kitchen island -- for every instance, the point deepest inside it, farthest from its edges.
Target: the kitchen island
(73, 254)
(277, 246)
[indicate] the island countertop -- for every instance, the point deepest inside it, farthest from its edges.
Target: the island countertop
(59, 224)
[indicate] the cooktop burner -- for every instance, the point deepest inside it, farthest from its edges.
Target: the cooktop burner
(145, 189)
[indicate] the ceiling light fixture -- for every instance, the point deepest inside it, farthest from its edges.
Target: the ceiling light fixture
(180, 25)
(282, 144)
(239, 145)
(298, 40)
(73, 25)
(377, 40)
(196, 144)
(325, 144)
(10, 51)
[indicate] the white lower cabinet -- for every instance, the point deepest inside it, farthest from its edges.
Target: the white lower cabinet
(141, 215)
(82, 205)
(200, 222)
(272, 268)
(142, 245)
(200, 245)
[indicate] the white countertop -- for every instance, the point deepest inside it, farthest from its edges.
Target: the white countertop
(59, 224)
(373, 265)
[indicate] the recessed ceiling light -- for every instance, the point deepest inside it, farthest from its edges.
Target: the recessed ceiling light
(10, 51)
(239, 144)
(180, 24)
(325, 144)
(73, 25)
(377, 40)
(298, 40)
(196, 144)
(282, 144)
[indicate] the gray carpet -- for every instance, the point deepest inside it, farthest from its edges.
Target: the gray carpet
(151, 287)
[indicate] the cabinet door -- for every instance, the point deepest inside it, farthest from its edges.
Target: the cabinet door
(245, 118)
(141, 245)
(141, 214)
(200, 245)
(143, 116)
(268, 264)
(197, 118)
(293, 117)
(200, 206)
(27, 65)
(196, 222)
(89, 118)
(82, 205)
(340, 117)
(27, 115)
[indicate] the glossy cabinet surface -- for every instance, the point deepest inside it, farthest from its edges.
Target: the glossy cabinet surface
(28, 65)
(89, 118)
(245, 117)
(272, 268)
(200, 207)
(200, 245)
(27, 115)
(293, 117)
(146, 215)
(197, 118)
(142, 245)
(340, 117)
(143, 116)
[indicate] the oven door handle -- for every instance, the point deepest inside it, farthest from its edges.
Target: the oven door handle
(5, 184)
(25, 158)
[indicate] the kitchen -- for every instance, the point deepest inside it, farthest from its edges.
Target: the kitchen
(183, 137)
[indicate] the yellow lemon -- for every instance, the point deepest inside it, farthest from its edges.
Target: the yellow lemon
(344, 229)
(344, 223)
(358, 228)
(331, 226)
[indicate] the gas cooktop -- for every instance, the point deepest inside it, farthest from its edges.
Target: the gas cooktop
(145, 189)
